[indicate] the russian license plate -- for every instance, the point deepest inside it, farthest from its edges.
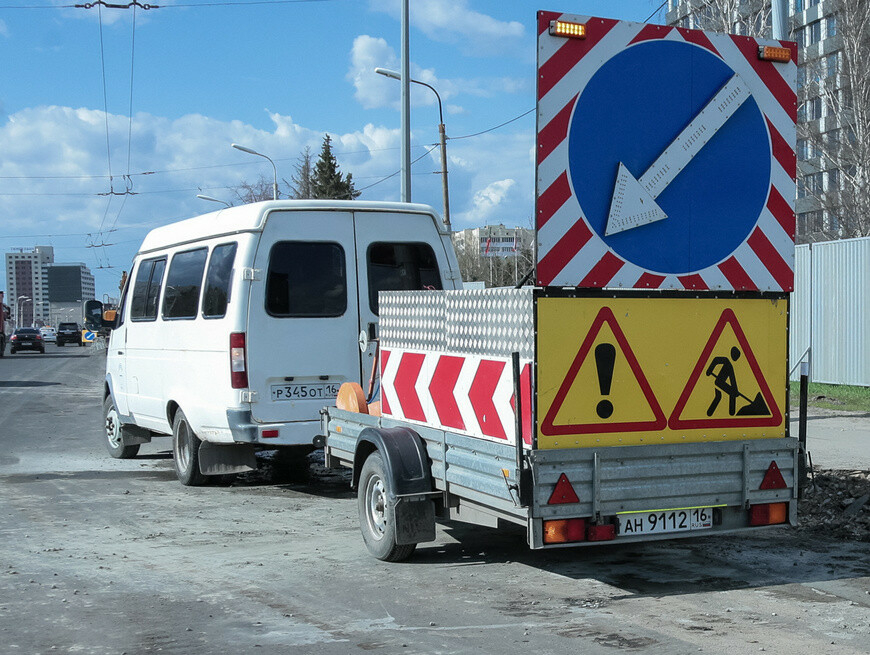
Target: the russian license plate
(314, 391)
(662, 521)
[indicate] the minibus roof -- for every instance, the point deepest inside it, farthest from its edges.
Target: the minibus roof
(252, 217)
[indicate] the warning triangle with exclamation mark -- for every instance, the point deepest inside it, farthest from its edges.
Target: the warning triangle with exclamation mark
(606, 392)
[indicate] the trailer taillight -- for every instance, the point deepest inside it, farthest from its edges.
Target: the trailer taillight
(564, 28)
(768, 514)
(238, 363)
(563, 531)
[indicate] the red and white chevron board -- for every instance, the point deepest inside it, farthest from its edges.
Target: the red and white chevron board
(460, 393)
(570, 252)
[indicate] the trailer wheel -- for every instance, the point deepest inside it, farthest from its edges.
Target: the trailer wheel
(378, 533)
(112, 424)
(185, 451)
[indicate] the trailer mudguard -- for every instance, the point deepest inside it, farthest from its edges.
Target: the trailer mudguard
(404, 457)
(409, 480)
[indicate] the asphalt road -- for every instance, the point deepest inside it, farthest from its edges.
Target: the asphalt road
(105, 556)
(837, 440)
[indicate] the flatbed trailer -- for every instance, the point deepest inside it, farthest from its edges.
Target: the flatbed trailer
(444, 353)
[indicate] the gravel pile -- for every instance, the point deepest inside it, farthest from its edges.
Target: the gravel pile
(837, 503)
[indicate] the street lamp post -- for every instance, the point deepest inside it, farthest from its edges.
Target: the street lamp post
(18, 304)
(21, 310)
(210, 199)
(443, 140)
(260, 154)
(41, 316)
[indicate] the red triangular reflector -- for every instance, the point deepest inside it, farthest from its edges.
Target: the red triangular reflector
(563, 493)
(773, 478)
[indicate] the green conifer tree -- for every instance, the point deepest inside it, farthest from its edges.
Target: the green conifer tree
(328, 181)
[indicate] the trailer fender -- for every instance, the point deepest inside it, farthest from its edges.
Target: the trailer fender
(409, 480)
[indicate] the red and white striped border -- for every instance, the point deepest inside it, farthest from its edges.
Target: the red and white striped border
(460, 393)
(570, 253)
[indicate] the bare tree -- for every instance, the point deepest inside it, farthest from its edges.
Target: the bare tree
(247, 192)
(747, 17)
(301, 183)
(835, 130)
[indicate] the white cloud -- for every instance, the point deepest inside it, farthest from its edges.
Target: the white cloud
(453, 21)
(487, 201)
(374, 91)
(54, 168)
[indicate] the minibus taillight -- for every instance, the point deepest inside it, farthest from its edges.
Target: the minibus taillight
(238, 369)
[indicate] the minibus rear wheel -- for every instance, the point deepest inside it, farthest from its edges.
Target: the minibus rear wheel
(185, 451)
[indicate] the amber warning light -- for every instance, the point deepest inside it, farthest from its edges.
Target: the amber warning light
(771, 53)
(571, 30)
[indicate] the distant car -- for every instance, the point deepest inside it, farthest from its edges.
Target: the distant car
(69, 333)
(26, 339)
(48, 334)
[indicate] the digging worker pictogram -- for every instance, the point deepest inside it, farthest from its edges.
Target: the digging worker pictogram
(724, 382)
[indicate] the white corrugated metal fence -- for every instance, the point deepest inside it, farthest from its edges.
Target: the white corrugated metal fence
(830, 311)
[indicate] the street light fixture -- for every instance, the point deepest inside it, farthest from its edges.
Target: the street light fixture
(210, 199)
(274, 168)
(42, 315)
(441, 133)
(18, 304)
(22, 301)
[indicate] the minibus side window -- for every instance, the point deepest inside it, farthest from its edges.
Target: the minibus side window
(217, 281)
(306, 279)
(146, 290)
(401, 267)
(183, 284)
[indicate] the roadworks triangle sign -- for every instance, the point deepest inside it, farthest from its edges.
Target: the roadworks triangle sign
(726, 388)
(605, 389)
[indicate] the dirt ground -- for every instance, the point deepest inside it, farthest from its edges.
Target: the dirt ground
(837, 503)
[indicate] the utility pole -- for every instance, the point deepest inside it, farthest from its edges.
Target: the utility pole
(406, 105)
(779, 19)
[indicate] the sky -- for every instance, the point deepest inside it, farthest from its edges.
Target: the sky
(154, 98)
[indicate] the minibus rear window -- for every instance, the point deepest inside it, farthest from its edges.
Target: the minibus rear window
(401, 267)
(306, 279)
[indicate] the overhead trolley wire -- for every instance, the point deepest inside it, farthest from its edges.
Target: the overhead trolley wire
(661, 6)
(128, 180)
(515, 118)
(105, 103)
(147, 6)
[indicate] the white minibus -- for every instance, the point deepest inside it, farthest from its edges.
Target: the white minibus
(236, 327)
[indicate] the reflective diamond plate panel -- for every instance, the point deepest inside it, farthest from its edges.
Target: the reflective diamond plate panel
(487, 322)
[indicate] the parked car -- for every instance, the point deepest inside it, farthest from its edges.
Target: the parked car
(49, 334)
(69, 333)
(26, 339)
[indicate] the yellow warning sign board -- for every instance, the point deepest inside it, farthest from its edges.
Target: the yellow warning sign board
(632, 370)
